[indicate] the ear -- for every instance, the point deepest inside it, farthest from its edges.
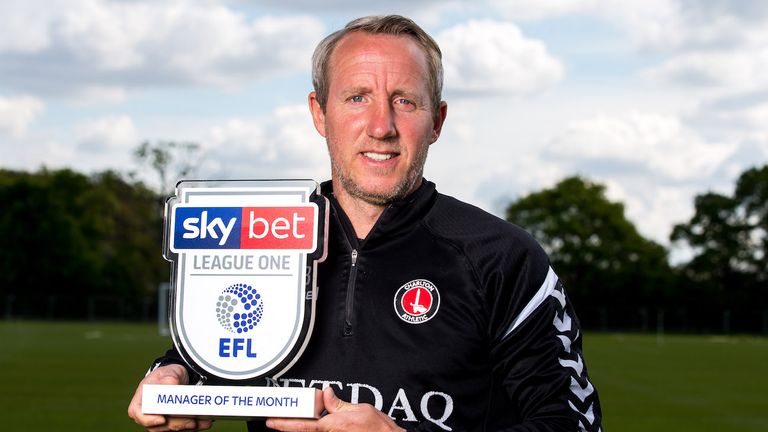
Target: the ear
(318, 115)
(439, 119)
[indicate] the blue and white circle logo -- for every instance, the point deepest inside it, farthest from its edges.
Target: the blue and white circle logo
(239, 308)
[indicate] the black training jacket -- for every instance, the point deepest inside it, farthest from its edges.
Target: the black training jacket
(446, 318)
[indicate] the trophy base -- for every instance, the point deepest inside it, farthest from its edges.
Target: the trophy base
(228, 401)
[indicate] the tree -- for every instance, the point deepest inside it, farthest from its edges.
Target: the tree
(595, 250)
(170, 160)
(752, 196)
(729, 240)
(64, 235)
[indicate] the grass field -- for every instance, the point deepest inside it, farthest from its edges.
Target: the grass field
(80, 377)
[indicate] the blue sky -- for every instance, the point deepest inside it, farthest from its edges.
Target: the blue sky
(659, 100)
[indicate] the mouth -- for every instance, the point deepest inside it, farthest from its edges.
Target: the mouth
(379, 157)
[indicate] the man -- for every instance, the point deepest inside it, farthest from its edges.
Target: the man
(481, 336)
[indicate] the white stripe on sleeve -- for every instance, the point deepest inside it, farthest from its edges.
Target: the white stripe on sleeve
(546, 289)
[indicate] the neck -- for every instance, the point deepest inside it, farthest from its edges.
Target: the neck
(361, 214)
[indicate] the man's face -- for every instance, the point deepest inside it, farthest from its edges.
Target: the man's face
(378, 119)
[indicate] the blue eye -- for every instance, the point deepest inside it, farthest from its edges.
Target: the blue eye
(405, 104)
(356, 98)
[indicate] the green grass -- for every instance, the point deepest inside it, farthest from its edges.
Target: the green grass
(680, 383)
(61, 376)
(80, 377)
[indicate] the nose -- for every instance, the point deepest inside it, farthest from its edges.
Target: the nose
(381, 122)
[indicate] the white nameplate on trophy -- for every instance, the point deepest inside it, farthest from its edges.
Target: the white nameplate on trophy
(228, 401)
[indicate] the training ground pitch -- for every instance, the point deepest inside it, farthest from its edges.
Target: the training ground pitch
(67, 376)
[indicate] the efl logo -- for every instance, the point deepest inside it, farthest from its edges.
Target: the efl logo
(244, 228)
(239, 309)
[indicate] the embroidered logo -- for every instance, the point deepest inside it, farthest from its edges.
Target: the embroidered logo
(417, 301)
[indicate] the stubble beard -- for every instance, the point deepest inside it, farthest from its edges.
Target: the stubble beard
(383, 199)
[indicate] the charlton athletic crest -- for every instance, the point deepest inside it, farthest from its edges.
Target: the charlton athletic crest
(417, 301)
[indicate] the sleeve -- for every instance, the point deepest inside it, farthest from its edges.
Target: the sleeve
(538, 364)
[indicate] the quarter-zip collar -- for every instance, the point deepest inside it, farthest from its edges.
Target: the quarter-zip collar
(397, 217)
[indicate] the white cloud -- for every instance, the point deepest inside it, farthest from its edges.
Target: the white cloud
(17, 113)
(282, 144)
(657, 25)
(488, 57)
(655, 144)
(650, 24)
(113, 45)
(683, 25)
(24, 27)
(736, 116)
(654, 209)
(704, 43)
(734, 70)
(345, 6)
(94, 95)
(108, 134)
(526, 9)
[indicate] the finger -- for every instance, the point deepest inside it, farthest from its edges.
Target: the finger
(169, 374)
(293, 425)
(165, 380)
(331, 402)
(204, 424)
(319, 404)
(182, 424)
(149, 420)
(135, 412)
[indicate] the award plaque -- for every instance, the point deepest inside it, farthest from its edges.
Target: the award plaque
(244, 255)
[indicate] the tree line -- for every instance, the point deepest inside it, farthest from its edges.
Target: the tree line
(619, 279)
(67, 238)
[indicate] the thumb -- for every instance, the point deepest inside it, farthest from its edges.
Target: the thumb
(170, 374)
(332, 403)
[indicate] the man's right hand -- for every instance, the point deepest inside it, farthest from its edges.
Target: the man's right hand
(171, 375)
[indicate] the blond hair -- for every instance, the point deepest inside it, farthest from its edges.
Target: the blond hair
(394, 25)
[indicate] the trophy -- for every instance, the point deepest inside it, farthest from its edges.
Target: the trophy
(244, 255)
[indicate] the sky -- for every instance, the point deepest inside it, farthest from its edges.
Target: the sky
(658, 100)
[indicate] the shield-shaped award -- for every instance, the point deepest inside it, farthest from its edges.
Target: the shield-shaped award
(244, 255)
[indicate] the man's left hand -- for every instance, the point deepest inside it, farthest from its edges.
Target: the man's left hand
(342, 417)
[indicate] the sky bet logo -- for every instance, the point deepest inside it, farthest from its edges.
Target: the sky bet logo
(291, 227)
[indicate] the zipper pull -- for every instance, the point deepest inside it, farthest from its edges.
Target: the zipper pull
(350, 294)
